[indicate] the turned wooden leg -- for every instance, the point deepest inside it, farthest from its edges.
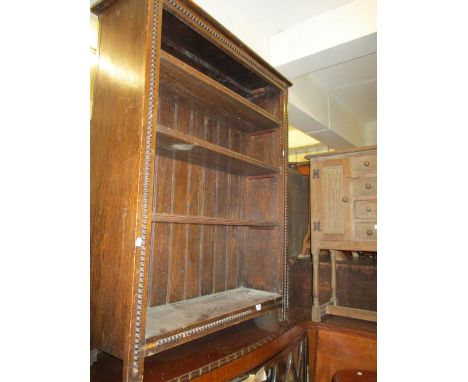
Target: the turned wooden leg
(333, 277)
(315, 286)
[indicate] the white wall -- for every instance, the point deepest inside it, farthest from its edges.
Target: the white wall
(349, 22)
(345, 123)
(370, 133)
(235, 22)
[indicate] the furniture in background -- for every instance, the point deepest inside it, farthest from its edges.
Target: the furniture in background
(355, 375)
(298, 213)
(356, 282)
(339, 343)
(343, 201)
(280, 347)
(188, 181)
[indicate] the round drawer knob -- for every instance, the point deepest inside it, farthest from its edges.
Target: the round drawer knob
(369, 232)
(345, 199)
(368, 209)
(366, 163)
(368, 186)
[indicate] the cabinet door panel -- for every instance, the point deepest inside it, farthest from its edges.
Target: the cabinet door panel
(332, 207)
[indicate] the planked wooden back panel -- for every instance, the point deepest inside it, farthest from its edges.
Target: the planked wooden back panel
(191, 260)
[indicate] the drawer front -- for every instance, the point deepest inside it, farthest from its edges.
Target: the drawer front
(365, 209)
(365, 232)
(364, 187)
(364, 164)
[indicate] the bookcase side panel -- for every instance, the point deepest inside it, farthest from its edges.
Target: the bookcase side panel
(118, 146)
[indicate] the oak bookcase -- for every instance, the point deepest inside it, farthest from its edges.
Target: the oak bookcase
(188, 181)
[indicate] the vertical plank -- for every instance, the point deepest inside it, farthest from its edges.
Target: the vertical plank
(159, 266)
(222, 187)
(194, 208)
(179, 206)
(235, 212)
(162, 202)
(261, 268)
(209, 209)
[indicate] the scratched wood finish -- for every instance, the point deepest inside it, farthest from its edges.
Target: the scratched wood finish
(118, 130)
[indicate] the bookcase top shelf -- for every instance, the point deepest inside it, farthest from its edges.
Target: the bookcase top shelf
(184, 81)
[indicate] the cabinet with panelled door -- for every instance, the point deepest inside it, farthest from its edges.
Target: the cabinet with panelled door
(343, 189)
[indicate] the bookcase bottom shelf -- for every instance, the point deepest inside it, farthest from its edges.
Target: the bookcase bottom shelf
(173, 324)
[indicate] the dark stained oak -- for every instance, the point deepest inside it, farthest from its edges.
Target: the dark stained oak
(217, 357)
(188, 185)
(356, 282)
(173, 319)
(171, 218)
(172, 143)
(186, 82)
(117, 156)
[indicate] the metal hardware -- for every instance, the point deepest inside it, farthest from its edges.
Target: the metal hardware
(369, 232)
(315, 174)
(368, 186)
(368, 209)
(366, 163)
(316, 226)
(345, 199)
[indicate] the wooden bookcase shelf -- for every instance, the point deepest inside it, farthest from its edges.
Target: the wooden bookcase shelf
(180, 146)
(184, 81)
(185, 219)
(168, 324)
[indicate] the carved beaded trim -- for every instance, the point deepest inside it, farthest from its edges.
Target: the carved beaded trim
(201, 329)
(146, 177)
(285, 249)
(231, 357)
(227, 44)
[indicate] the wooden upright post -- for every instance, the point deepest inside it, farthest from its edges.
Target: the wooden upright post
(315, 286)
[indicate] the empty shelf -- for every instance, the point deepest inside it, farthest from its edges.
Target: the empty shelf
(204, 314)
(173, 143)
(181, 79)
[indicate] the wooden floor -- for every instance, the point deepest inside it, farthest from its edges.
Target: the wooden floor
(168, 318)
